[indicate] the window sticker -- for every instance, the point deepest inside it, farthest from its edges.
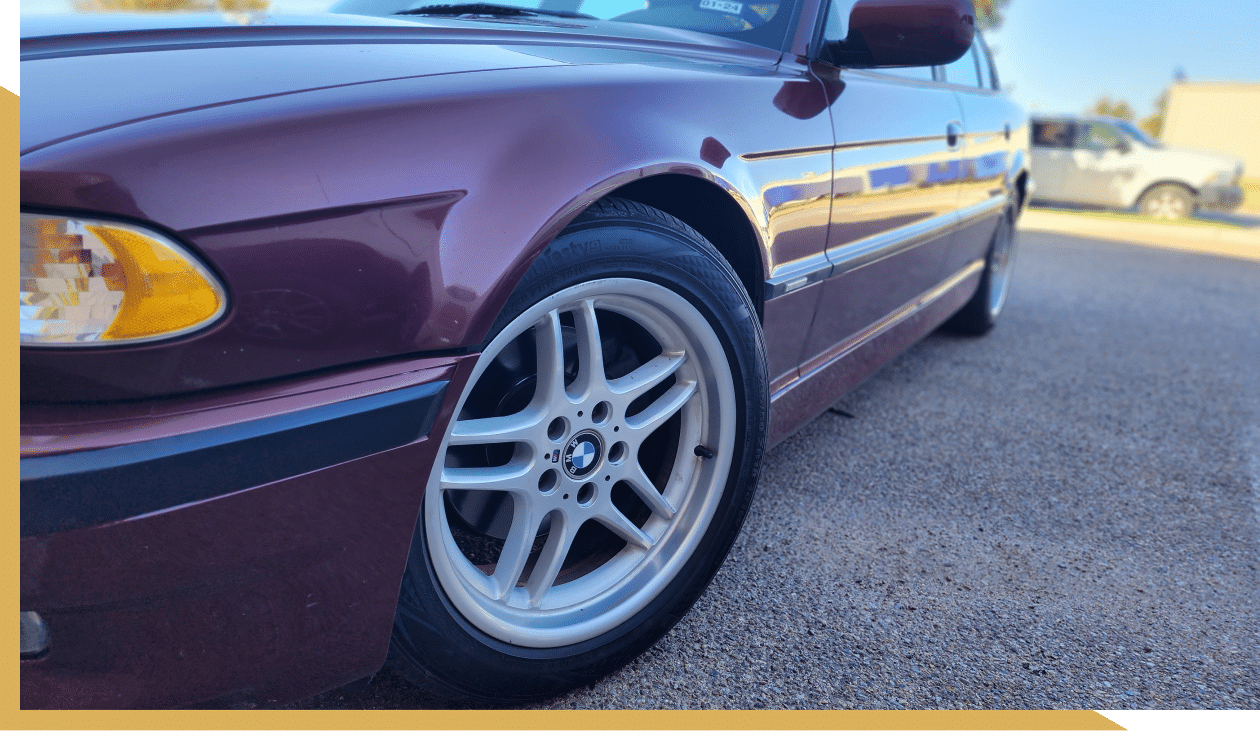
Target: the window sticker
(724, 6)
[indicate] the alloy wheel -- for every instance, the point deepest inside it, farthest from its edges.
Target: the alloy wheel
(1166, 203)
(1000, 261)
(601, 483)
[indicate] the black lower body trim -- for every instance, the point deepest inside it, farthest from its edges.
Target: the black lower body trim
(81, 489)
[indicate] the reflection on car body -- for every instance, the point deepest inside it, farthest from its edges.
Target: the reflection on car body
(456, 338)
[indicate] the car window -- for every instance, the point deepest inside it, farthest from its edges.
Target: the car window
(837, 25)
(987, 79)
(964, 71)
(1098, 136)
(1053, 134)
(1136, 133)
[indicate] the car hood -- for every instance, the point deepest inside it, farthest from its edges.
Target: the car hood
(1205, 159)
(84, 73)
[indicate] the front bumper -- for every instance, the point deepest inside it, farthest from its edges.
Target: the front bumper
(1220, 197)
(237, 551)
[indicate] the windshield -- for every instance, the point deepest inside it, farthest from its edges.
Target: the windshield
(763, 22)
(1136, 133)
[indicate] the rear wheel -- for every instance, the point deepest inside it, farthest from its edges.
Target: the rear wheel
(601, 462)
(981, 312)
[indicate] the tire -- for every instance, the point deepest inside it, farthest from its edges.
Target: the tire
(981, 312)
(1168, 201)
(644, 467)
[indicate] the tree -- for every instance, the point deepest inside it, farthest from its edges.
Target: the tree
(989, 13)
(1154, 124)
(1105, 107)
(169, 6)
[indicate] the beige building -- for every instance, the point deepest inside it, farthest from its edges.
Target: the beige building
(1216, 116)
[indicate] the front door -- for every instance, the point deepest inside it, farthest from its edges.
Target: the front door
(1102, 166)
(897, 162)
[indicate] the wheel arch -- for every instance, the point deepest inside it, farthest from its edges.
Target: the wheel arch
(692, 193)
(715, 213)
(1194, 192)
(1021, 190)
(1018, 179)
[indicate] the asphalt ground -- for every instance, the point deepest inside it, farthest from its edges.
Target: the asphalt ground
(1062, 514)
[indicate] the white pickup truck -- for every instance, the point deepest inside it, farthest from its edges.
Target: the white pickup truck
(1110, 163)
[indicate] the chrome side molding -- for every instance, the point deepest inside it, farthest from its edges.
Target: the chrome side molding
(838, 260)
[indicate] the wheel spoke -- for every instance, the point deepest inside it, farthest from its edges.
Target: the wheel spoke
(511, 477)
(643, 487)
(615, 521)
(662, 408)
(559, 539)
(516, 548)
(549, 343)
(590, 353)
(639, 370)
(495, 429)
(645, 377)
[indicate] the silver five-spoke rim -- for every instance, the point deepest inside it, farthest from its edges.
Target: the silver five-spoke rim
(570, 446)
(1000, 265)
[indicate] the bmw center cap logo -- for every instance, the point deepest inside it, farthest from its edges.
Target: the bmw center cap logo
(582, 454)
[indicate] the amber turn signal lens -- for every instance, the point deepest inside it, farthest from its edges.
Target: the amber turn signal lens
(97, 282)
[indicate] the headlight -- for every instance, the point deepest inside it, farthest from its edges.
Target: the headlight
(1226, 177)
(98, 282)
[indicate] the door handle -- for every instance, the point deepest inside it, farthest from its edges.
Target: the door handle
(953, 131)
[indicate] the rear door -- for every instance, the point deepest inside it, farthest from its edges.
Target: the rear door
(993, 123)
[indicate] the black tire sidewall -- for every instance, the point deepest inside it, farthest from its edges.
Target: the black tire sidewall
(435, 644)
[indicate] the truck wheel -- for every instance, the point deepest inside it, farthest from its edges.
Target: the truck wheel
(1168, 201)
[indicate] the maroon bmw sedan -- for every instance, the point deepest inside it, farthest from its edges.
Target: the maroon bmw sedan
(452, 336)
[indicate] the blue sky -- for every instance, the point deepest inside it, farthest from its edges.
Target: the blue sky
(1061, 55)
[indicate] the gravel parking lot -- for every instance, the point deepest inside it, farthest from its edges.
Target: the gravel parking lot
(1062, 514)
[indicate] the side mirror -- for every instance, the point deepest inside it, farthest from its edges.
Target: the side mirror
(905, 33)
